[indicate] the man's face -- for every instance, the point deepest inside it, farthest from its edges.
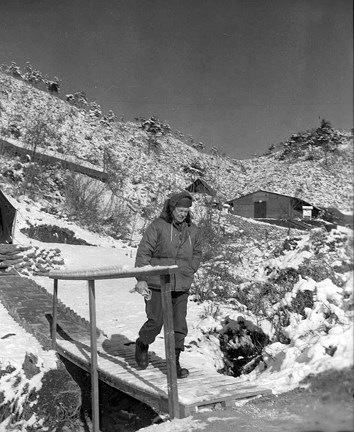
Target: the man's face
(179, 214)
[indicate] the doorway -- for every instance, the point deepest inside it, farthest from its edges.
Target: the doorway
(260, 209)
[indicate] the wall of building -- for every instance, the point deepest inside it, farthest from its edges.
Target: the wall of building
(277, 206)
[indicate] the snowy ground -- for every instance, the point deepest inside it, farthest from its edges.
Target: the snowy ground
(121, 311)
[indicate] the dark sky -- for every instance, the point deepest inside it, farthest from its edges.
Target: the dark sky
(236, 74)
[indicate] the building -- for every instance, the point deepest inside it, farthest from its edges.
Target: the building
(200, 186)
(270, 205)
(7, 219)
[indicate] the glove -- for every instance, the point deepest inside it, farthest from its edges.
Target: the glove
(142, 288)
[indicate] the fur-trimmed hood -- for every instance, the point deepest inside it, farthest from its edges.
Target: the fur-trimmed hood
(170, 205)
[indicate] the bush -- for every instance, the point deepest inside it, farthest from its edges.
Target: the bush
(313, 144)
(117, 224)
(242, 343)
(286, 278)
(78, 99)
(318, 270)
(154, 126)
(84, 199)
(302, 300)
(214, 282)
(85, 203)
(195, 169)
(212, 234)
(53, 234)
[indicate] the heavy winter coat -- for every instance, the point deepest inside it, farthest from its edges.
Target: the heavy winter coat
(163, 244)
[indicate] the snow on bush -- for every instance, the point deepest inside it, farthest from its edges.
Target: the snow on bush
(294, 318)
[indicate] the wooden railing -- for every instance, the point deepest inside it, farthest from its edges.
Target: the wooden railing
(119, 273)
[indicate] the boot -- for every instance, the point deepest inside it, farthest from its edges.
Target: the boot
(141, 354)
(181, 372)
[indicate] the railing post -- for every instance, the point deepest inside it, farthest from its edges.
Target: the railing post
(94, 363)
(55, 314)
(173, 404)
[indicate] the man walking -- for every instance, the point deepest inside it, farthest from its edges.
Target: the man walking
(171, 239)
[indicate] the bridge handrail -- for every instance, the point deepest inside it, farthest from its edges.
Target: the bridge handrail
(112, 272)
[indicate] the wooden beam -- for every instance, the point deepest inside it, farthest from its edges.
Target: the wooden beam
(94, 363)
(173, 404)
(55, 314)
(112, 272)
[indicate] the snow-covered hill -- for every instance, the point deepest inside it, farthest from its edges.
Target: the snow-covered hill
(145, 167)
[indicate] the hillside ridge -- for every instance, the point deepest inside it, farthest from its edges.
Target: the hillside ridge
(149, 166)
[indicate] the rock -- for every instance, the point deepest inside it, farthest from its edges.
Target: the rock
(20, 265)
(29, 365)
(25, 272)
(42, 268)
(9, 263)
(4, 257)
(58, 261)
(31, 255)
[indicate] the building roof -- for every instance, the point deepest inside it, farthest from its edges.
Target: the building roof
(208, 189)
(273, 193)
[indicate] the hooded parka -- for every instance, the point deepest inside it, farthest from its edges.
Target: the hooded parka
(165, 243)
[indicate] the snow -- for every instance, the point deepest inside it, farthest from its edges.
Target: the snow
(327, 327)
(15, 342)
(177, 425)
(311, 339)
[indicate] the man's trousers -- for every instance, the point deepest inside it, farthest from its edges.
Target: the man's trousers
(154, 323)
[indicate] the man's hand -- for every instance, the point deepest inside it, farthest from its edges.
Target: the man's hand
(142, 288)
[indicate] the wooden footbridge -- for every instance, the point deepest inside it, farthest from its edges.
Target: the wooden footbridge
(112, 361)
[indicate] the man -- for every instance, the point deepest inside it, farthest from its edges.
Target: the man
(171, 239)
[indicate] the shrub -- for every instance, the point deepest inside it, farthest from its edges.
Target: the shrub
(154, 126)
(313, 144)
(211, 309)
(83, 199)
(77, 99)
(195, 169)
(53, 86)
(14, 130)
(317, 269)
(53, 234)
(214, 282)
(33, 76)
(302, 300)
(286, 278)
(85, 202)
(117, 224)
(212, 234)
(242, 343)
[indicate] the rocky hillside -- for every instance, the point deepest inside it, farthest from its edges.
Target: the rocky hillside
(147, 159)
